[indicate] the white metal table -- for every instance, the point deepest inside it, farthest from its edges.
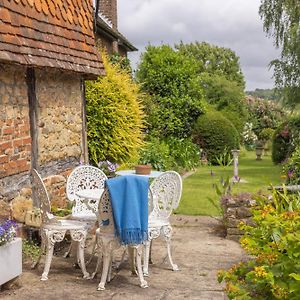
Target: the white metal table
(90, 194)
(152, 174)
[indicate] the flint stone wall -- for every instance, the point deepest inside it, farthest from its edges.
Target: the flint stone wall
(237, 209)
(59, 134)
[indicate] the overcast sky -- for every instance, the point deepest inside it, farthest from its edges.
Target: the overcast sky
(228, 23)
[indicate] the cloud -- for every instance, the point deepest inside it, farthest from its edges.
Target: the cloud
(232, 23)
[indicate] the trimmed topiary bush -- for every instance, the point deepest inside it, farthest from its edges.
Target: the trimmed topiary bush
(286, 137)
(114, 116)
(215, 135)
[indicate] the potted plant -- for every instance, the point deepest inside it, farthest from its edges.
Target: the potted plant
(108, 168)
(10, 252)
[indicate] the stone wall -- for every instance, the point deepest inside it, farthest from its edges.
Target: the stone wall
(59, 135)
(15, 140)
(59, 120)
(237, 209)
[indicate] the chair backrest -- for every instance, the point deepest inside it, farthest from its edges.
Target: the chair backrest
(166, 194)
(105, 213)
(41, 191)
(84, 177)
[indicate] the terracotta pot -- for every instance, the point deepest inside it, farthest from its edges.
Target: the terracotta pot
(143, 169)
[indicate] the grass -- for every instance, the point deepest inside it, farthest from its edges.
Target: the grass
(198, 187)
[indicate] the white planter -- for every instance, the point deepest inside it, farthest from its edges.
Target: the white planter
(10, 260)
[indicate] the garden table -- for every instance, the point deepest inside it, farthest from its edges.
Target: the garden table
(152, 174)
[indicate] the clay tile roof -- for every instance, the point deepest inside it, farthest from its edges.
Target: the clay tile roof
(49, 33)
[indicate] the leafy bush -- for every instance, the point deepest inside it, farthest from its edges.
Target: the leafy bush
(292, 168)
(114, 116)
(273, 243)
(286, 137)
(185, 153)
(175, 99)
(215, 134)
(264, 114)
(156, 153)
(170, 153)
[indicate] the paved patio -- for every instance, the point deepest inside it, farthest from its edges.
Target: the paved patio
(198, 249)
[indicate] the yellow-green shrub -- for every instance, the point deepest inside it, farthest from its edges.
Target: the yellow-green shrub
(114, 116)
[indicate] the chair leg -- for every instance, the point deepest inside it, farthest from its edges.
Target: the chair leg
(52, 237)
(146, 257)
(167, 233)
(131, 256)
(99, 257)
(93, 251)
(43, 248)
(106, 263)
(139, 251)
(80, 236)
(68, 252)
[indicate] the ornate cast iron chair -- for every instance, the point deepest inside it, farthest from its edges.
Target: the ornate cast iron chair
(166, 193)
(81, 178)
(53, 230)
(108, 243)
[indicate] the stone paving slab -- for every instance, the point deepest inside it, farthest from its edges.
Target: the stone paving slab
(198, 249)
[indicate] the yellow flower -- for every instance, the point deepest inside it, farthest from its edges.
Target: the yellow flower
(260, 272)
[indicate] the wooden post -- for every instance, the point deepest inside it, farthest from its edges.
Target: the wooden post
(33, 111)
(84, 127)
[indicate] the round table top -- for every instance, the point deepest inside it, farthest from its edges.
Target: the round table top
(91, 194)
(152, 174)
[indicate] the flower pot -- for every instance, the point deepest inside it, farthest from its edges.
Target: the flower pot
(143, 169)
(10, 260)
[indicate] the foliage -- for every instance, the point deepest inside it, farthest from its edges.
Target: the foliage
(215, 134)
(7, 231)
(61, 212)
(156, 153)
(266, 94)
(211, 59)
(264, 114)
(273, 243)
(266, 134)
(249, 137)
(185, 153)
(225, 158)
(281, 19)
(114, 116)
(176, 100)
(170, 153)
(107, 167)
(292, 168)
(286, 137)
(220, 76)
(30, 250)
(122, 61)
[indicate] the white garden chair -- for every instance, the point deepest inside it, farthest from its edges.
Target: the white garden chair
(108, 243)
(166, 192)
(53, 230)
(82, 178)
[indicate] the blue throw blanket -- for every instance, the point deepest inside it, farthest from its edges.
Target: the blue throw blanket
(129, 200)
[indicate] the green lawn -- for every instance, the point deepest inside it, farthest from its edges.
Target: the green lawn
(198, 187)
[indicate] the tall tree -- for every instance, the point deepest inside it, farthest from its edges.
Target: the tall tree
(281, 19)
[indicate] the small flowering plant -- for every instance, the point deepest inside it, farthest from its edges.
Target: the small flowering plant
(7, 231)
(108, 167)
